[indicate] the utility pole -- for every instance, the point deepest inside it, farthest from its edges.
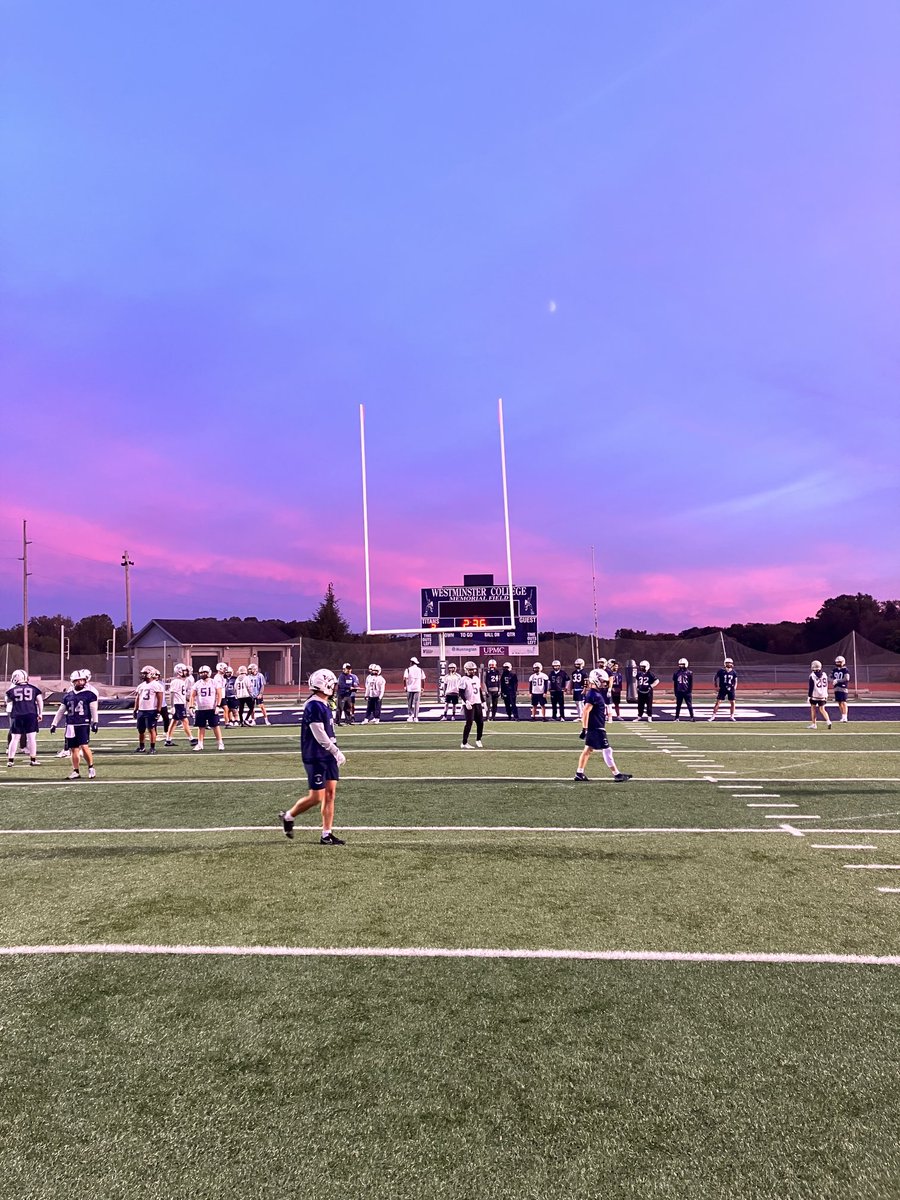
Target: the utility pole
(128, 564)
(25, 574)
(595, 640)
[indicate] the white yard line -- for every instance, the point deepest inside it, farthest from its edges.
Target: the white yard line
(768, 805)
(872, 866)
(840, 846)
(682, 956)
(794, 817)
(601, 829)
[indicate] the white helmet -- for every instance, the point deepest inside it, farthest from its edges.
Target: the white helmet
(507, 664)
(242, 670)
(815, 665)
(323, 681)
(80, 678)
(538, 666)
(205, 672)
(644, 664)
(597, 677)
(18, 678)
(451, 667)
(840, 661)
(469, 668)
(181, 669)
(579, 663)
(345, 666)
(157, 673)
(414, 660)
(253, 668)
(729, 662)
(601, 662)
(682, 662)
(222, 667)
(147, 672)
(492, 662)
(374, 669)
(556, 664)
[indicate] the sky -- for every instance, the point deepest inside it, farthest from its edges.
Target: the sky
(668, 235)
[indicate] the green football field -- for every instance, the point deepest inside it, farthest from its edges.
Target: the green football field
(506, 984)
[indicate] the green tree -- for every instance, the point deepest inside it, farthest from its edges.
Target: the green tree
(328, 623)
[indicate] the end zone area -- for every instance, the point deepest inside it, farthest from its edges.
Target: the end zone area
(384, 1075)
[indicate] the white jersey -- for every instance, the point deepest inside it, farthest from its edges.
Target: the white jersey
(179, 690)
(818, 687)
(374, 687)
(414, 677)
(219, 681)
(537, 683)
(470, 690)
(257, 683)
(242, 687)
(452, 681)
(204, 692)
(147, 695)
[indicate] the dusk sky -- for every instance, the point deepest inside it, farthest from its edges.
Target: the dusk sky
(667, 234)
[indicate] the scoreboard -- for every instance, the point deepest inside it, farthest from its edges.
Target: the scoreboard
(464, 615)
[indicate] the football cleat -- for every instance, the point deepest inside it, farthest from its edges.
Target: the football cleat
(329, 839)
(621, 777)
(287, 824)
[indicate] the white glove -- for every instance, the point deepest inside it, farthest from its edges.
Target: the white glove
(340, 758)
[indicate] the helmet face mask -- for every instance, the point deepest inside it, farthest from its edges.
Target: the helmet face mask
(323, 681)
(146, 672)
(80, 678)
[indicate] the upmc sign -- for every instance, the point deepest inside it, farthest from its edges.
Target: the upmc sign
(464, 615)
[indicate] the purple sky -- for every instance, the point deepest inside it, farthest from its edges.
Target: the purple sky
(667, 234)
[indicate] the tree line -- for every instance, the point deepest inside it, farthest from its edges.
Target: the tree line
(877, 620)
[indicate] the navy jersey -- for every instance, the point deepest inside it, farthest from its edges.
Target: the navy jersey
(683, 680)
(615, 680)
(347, 683)
(315, 711)
(840, 677)
(492, 680)
(726, 679)
(579, 679)
(228, 691)
(558, 681)
(509, 681)
(646, 682)
(597, 715)
(78, 706)
(23, 698)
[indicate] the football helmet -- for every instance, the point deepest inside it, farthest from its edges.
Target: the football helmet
(414, 661)
(815, 665)
(492, 662)
(242, 670)
(682, 662)
(147, 672)
(601, 662)
(323, 681)
(222, 668)
(253, 669)
(18, 678)
(345, 666)
(597, 677)
(644, 664)
(505, 665)
(451, 667)
(374, 669)
(470, 668)
(80, 678)
(182, 670)
(556, 664)
(157, 673)
(840, 661)
(538, 667)
(205, 672)
(579, 663)
(729, 662)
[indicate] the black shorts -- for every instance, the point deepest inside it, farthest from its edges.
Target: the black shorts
(615, 697)
(451, 697)
(25, 724)
(841, 695)
(538, 698)
(80, 736)
(726, 694)
(229, 701)
(596, 739)
(320, 771)
(146, 720)
(180, 712)
(207, 718)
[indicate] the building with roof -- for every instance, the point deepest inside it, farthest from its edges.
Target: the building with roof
(207, 641)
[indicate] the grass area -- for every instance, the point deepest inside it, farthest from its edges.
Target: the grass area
(385, 1077)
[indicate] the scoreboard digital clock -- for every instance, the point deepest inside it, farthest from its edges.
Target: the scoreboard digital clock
(468, 617)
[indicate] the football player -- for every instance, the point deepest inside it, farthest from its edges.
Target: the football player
(509, 685)
(347, 687)
(321, 757)
(683, 679)
(616, 679)
(205, 698)
(646, 681)
(25, 709)
(726, 682)
(374, 690)
(593, 730)
(579, 681)
(229, 699)
(492, 689)
(179, 692)
(243, 695)
(537, 685)
(470, 690)
(451, 692)
(148, 698)
(840, 677)
(818, 694)
(413, 679)
(80, 710)
(557, 683)
(258, 687)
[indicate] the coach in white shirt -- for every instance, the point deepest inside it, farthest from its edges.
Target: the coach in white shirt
(414, 678)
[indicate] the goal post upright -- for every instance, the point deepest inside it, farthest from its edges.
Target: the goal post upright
(506, 627)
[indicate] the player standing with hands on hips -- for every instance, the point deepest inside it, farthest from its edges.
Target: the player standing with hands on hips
(593, 730)
(470, 690)
(321, 758)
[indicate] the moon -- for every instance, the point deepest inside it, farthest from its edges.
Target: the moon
(551, 307)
